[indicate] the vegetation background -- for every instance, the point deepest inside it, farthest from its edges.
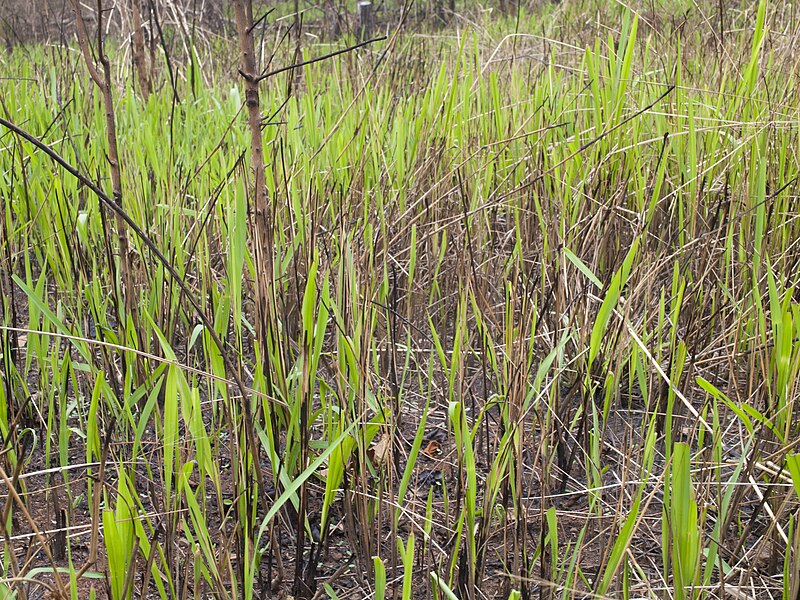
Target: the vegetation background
(445, 300)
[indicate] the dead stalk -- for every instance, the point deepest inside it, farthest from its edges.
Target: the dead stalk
(139, 58)
(102, 79)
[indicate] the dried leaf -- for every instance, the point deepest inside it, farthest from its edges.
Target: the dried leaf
(380, 450)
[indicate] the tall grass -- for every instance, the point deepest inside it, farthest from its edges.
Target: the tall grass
(534, 317)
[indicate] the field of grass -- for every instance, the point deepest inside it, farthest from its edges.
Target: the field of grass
(518, 316)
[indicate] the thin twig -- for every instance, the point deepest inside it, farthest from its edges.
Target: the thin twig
(313, 60)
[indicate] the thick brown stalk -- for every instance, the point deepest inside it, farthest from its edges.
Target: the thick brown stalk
(262, 241)
(103, 82)
(266, 307)
(139, 58)
(262, 235)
